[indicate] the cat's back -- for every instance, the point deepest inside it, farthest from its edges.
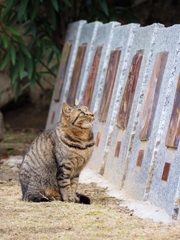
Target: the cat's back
(40, 152)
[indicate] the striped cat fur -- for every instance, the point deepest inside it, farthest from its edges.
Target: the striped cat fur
(51, 167)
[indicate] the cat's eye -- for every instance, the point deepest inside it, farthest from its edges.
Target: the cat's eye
(82, 114)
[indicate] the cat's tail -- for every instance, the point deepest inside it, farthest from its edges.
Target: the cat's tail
(83, 198)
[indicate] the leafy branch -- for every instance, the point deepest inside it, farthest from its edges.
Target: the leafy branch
(32, 34)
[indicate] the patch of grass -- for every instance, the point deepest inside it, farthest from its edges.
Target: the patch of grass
(20, 137)
(10, 151)
(16, 142)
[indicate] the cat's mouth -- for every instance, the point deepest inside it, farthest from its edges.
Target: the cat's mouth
(87, 125)
(92, 118)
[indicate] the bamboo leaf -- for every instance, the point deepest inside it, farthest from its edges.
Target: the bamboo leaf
(12, 30)
(33, 79)
(9, 5)
(50, 57)
(26, 85)
(27, 30)
(19, 13)
(13, 19)
(35, 10)
(104, 7)
(29, 67)
(14, 74)
(55, 5)
(24, 5)
(25, 50)
(19, 39)
(25, 17)
(34, 29)
(21, 65)
(52, 17)
(13, 53)
(55, 49)
(5, 40)
(5, 60)
(67, 2)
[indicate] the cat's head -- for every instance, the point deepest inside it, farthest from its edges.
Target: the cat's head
(77, 116)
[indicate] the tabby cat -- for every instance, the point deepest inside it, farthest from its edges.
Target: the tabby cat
(51, 167)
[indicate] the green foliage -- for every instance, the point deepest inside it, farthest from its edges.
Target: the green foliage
(26, 31)
(32, 34)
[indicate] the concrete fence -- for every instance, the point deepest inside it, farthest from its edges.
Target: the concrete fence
(129, 76)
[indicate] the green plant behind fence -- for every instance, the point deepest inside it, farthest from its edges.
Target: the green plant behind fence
(32, 34)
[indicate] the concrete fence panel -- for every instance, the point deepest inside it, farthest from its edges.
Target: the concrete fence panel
(113, 81)
(116, 156)
(129, 77)
(148, 167)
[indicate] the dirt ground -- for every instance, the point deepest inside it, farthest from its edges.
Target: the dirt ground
(104, 218)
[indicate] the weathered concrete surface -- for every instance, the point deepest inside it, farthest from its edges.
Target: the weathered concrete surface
(122, 39)
(116, 166)
(164, 186)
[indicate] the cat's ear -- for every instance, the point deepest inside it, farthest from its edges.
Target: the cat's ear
(76, 102)
(66, 109)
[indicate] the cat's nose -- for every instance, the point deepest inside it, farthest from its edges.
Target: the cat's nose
(91, 115)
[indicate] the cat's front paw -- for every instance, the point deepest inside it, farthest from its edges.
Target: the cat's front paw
(70, 198)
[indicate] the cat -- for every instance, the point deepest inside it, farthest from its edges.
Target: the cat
(50, 169)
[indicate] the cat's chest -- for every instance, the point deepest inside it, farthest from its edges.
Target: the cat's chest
(80, 158)
(78, 163)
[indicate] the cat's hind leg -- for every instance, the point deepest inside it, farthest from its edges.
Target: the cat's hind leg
(32, 195)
